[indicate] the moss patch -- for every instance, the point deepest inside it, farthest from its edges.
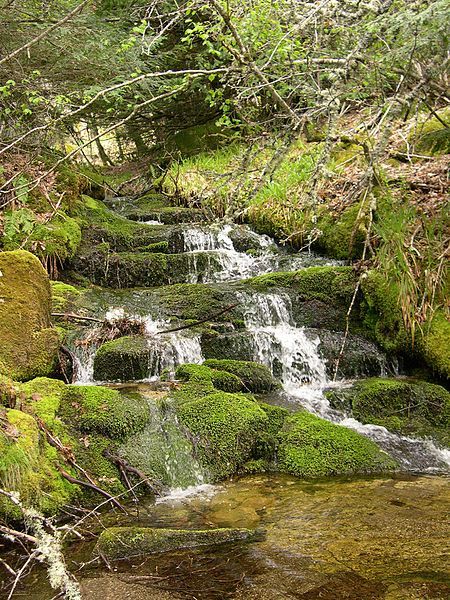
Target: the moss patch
(220, 379)
(435, 345)
(29, 347)
(255, 377)
(124, 359)
(63, 296)
(103, 410)
(406, 406)
(312, 447)
(226, 429)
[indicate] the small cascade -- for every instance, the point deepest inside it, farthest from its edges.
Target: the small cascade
(226, 263)
(162, 451)
(168, 350)
(294, 358)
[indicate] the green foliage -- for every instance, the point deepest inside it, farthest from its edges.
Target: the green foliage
(312, 447)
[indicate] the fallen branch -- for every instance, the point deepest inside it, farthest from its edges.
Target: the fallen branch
(93, 487)
(77, 317)
(156, 487)
(208, 318)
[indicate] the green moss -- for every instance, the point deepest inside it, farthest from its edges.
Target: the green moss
(432, 137)
(328, 284)
(197, 301)
(406, 406)
(255, 377)
(123, 359)
(9, 391)
(103, 410)
(28, 464)
(29, 347)
(63, 296)
(100, 224)
(140, 269)
(435, 345)
(226, 429)
(125, 542)
(220, 379)
(158, 247)
(43, 396)
(312, 447)
(382, 314)
(342, 238)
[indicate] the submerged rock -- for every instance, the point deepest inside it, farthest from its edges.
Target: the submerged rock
(29, 346)
(125, 542)
(313, 447)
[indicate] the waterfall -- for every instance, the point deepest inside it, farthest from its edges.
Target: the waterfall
(294, 358)
(217, 242)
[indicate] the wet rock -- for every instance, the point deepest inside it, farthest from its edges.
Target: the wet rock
(143, 269)
(360, 358)
(244, 239)
(230, 346)
(125, 542)
(29, 346)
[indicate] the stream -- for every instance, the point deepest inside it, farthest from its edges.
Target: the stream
(353, 538)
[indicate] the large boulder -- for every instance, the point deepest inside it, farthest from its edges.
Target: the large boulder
(313, 447)
(29, 346)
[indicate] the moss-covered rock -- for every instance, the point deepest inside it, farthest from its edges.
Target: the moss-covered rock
(226, 429)
(29, 465)
(227, 346)
(435, 346)
(125, 542)
(342, 237)
(382, 314)
(124, 359)
(29, 346)
(63, 296)
(406, 406)
(256, 377)
(221, 379)
(103, 410)
(313, 447)
(142, 269)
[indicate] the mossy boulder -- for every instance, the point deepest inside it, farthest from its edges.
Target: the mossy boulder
(402, 405)
(124, 359)
(103, 410)
(255, 377)
(221, 379)
(29, 465)
(63, 296)
(435, 346)
(313, 447)
(29, 346)
(227, 346)
(382, 313)
(226, 429)
(342, 236)
(125, 542)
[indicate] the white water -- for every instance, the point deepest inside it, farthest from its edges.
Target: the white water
(282, 346)
(167, 350)
(225, 263)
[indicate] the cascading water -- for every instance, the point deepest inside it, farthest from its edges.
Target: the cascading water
(294, 357)
(166, 350)
(225, 263)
